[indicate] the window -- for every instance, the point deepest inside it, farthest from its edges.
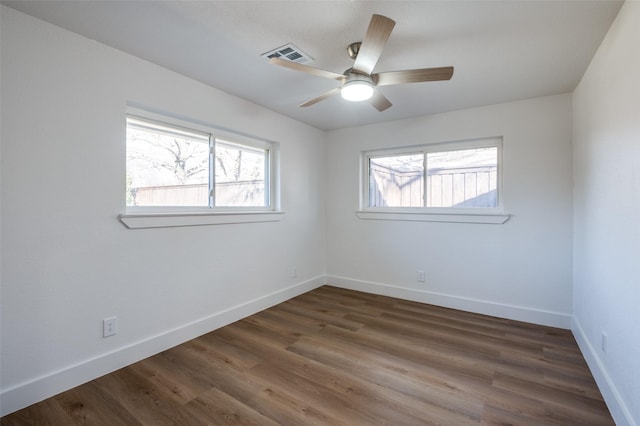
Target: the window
(450, 177)
(177, 166)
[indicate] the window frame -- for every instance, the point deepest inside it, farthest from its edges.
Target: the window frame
(167, 216)
(424, 213)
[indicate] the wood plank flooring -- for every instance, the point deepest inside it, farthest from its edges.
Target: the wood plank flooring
(340, 357)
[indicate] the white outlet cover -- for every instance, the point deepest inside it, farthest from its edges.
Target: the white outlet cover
(109, 326)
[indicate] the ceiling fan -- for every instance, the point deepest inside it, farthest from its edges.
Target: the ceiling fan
(358, 82)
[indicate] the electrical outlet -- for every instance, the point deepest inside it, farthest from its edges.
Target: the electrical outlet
(109, 326)
(603, 342)
(421, 276)
(294, 272)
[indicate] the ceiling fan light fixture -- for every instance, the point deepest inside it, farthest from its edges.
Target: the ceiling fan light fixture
(357, 90)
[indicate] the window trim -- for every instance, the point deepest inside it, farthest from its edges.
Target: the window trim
(495, 215)
(169, 220)
(169, 216)
(487, 218)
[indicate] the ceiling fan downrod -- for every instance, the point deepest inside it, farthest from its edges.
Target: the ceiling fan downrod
(353, 49)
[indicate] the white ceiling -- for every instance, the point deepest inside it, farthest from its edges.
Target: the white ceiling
(501, 50)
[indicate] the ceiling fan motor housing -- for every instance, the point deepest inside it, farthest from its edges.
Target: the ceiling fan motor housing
(352, 75)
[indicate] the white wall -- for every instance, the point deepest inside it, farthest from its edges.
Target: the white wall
(521, 269)
(607, 215)
(67, 262)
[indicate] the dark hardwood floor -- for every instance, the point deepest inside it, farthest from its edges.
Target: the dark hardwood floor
(341, 357)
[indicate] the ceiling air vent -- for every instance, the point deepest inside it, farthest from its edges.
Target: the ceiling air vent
(289, 52)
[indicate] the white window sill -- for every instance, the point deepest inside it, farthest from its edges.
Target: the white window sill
(489, 218)
(168, 220)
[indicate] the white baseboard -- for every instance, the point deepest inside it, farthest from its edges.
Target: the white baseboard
(519, 313)
(35, 390)
(619, 410)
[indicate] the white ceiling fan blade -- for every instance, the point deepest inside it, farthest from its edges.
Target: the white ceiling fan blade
(305, 68)
(412, 76)
(321, 97)
(374, 41)
(379, 101)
